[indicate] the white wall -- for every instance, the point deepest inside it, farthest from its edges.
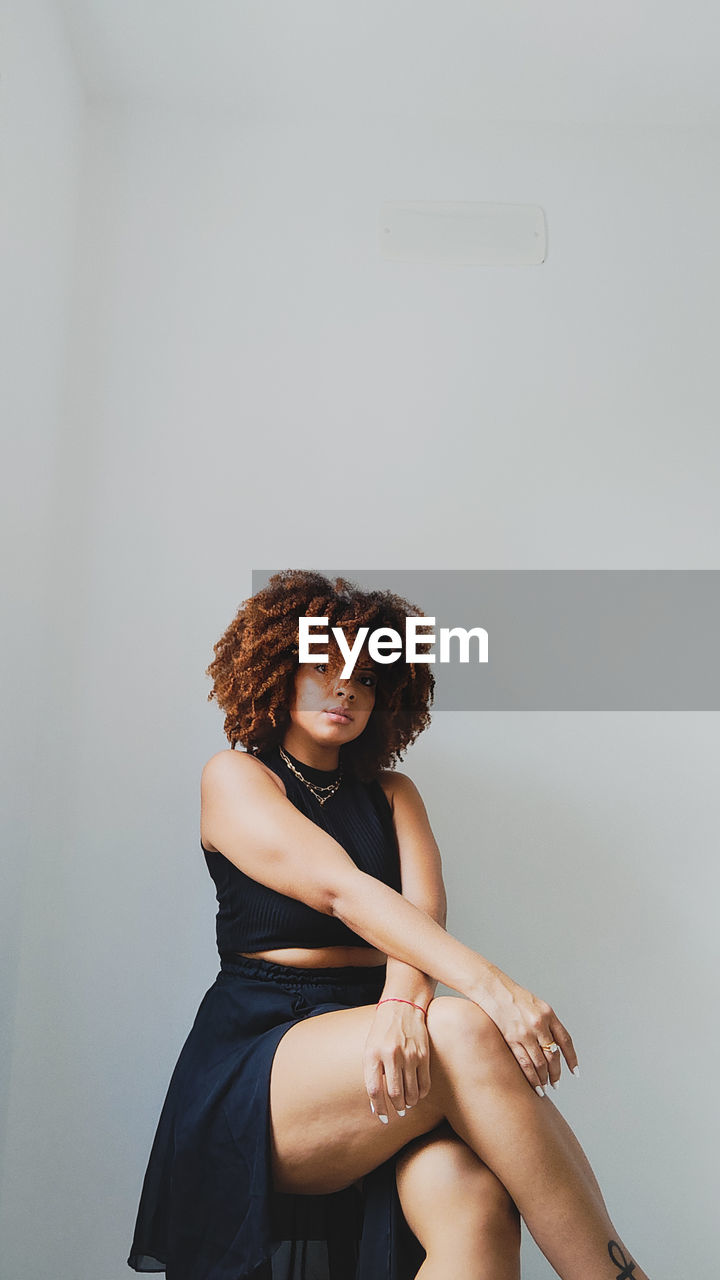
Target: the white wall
(41, 135)
(250, 385)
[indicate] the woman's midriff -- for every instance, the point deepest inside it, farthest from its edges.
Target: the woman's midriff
(320, 957)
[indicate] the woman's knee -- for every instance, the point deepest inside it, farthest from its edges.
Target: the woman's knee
(457, 1027)
(446, 1191)
(498, 1213)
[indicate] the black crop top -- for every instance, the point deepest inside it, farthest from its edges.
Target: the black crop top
(253, 917)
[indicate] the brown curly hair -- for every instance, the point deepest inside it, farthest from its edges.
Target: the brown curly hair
(256, 659)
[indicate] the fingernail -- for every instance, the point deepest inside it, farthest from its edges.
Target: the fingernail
(576, 1071)
(372, 1107)
(383, 1118)
(539, 1091)
(401, 1113)
(554, 1084)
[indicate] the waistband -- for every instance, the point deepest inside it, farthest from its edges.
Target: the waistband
(272, 970)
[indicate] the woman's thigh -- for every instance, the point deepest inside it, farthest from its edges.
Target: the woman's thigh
(324, 1135)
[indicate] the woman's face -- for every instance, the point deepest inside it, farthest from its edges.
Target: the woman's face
(319, 689)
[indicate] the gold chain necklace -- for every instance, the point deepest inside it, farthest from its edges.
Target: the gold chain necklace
(314, 787)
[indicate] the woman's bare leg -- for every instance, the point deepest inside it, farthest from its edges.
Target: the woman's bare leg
(324, 1135)
(461, 1214)
(528, 1145)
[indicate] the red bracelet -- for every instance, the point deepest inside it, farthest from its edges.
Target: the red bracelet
(412, 1002)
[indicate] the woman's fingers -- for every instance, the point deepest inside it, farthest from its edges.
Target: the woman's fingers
(396, 1071)
(417, 1071)
(400, 1085)
(528, 1066)
(536, 1037)
(544, 1053)
(563, 1039)
(539, 1062)
(412, 1088)
(423, 1073)
(394, 1085)
(375, 1091)
(552, 1055)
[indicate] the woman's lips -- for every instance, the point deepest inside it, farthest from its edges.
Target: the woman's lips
(339, 716)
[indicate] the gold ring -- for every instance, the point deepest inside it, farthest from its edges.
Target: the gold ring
(554, 1048)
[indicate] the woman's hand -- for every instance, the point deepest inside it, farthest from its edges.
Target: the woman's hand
(396, 1056)
(530, 1026)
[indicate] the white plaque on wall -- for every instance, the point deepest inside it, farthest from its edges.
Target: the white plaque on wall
(463, 231)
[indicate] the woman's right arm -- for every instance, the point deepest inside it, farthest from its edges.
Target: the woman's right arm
(255, 826)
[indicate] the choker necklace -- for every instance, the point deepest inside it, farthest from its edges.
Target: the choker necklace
(314, 787)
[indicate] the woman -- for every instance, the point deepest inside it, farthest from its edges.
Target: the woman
(328, 1117)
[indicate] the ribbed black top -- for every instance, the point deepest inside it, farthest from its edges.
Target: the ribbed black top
(253, 917)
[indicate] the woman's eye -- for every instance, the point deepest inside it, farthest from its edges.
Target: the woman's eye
(369, 681)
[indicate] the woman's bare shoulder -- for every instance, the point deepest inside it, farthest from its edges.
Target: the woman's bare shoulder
(240, 760)
(215, 767)
(392, 782)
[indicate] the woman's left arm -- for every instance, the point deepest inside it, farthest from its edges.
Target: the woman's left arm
(397, 1043)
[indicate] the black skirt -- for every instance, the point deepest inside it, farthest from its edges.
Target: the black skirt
(208, 1209)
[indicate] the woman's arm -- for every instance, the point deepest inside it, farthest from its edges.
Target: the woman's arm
(391, 923)
(421, 880)
(396, 1057)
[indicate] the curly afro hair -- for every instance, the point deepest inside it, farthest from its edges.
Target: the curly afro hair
(256, 659)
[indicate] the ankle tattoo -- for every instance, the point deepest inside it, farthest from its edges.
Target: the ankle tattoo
(618, 1259)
